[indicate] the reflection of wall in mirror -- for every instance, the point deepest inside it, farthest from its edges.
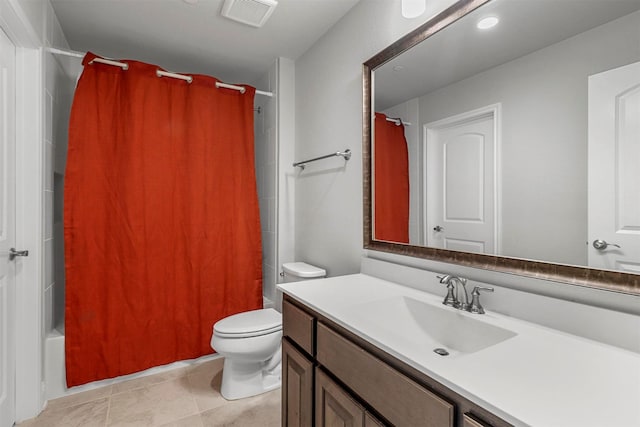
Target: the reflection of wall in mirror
(544, 134)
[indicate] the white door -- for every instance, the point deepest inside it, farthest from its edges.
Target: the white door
(614, 172)
(461, 183)
(7, 229)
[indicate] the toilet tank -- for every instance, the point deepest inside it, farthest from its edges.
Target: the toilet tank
(297, 271)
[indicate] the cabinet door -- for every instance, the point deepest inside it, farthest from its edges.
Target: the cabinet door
(297, 387)
(334, 407)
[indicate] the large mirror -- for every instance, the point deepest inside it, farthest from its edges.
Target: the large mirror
(505, 135)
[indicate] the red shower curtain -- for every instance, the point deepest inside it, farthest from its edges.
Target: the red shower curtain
(391, 182)
(161, 220)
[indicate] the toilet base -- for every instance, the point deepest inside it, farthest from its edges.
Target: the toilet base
(246, 379)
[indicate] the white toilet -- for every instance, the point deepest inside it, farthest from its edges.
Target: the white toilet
(250, 343)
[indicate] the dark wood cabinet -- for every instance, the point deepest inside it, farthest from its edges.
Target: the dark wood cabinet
(396, 397)
(333, 378)
(469, 420)
(371, 421)
(299, 326)
(334, 406)
(297, 387)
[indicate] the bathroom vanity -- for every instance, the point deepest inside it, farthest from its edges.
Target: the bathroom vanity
(314, 346)
(358, 350)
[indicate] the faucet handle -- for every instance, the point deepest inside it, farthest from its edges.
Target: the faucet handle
(475, 299)
(450, 299)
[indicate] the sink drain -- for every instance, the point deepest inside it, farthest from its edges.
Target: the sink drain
(441, 351)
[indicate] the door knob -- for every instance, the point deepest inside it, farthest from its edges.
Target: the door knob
(13, 253)
(438, 228)
(602, 245)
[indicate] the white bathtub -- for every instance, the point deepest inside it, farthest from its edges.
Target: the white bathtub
(55, 375)
(54, 365)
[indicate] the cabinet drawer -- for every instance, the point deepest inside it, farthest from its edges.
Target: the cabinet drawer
(299, 326)
(396, 397)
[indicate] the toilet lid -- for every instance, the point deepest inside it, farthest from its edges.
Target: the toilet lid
(303, 270)
(255, 322)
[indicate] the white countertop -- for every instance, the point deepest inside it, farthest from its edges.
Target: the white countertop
(540, 377)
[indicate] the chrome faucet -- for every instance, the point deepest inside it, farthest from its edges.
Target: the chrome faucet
(453, 299)
(453, 294)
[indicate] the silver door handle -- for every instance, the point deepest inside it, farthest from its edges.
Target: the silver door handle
(602, 245)
(438, 228)
(13, 253)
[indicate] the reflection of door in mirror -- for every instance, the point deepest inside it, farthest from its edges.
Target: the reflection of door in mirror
(614, 176)
(391, 175)
(460, 170)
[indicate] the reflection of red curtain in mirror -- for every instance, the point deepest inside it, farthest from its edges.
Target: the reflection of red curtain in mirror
(391, 182)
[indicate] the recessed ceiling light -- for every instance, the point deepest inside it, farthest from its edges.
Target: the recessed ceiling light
(488, 22)
(413, 8)
(398, 68)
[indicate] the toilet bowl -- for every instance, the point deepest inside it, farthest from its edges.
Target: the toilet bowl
(250, 344)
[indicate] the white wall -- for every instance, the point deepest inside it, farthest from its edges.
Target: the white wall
(328, 119)
(34, 14)
(544, 135)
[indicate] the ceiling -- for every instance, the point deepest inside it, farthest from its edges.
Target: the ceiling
(193, 38)
(461, 51)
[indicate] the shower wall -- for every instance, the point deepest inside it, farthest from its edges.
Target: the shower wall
(266, 148)
(59, 77)
(58, 94)
(274, 131)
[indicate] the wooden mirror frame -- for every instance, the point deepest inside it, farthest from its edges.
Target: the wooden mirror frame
(573, 275)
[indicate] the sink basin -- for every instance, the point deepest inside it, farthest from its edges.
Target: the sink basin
(423, 324)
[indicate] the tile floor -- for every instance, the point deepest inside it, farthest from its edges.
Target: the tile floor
(185, 397)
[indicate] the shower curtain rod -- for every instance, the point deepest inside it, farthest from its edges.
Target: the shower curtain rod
(159, 73)
(398, 121)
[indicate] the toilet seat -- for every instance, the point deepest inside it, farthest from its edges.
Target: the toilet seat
(249, 324)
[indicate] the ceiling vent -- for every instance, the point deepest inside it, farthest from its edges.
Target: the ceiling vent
(250, 12)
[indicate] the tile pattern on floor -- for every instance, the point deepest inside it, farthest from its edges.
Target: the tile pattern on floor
(185, 397)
